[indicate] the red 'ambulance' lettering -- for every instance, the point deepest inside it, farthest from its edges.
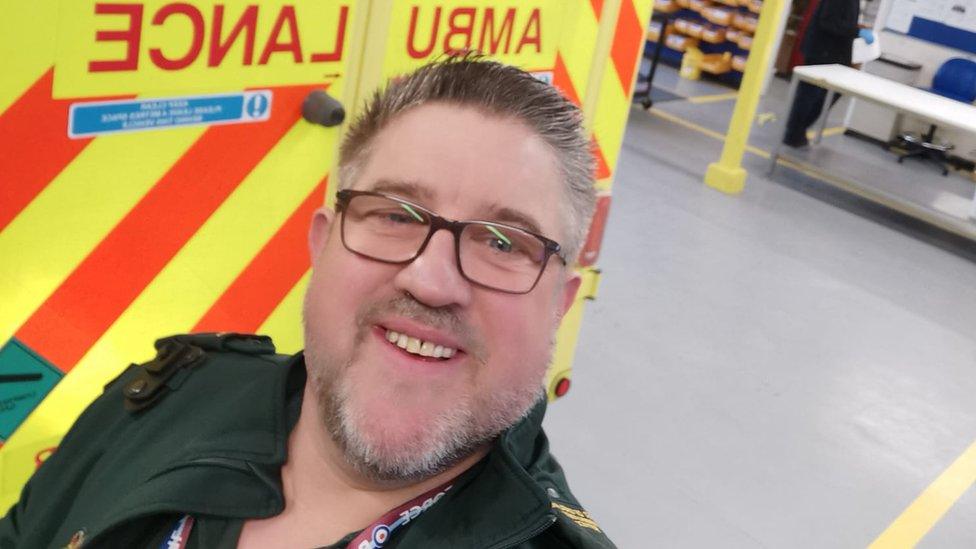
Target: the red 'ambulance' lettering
(283, 39)
(248, 22)
(196, 20)
(504, 33)
(130, 36)
(294, 45)
(461, 30)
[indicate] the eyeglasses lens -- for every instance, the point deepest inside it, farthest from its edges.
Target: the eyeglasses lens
(497, 256)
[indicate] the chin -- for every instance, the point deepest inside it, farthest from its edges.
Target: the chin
(390, 442)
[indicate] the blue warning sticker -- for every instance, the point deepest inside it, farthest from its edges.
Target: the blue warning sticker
(25, 379)
(102, 117)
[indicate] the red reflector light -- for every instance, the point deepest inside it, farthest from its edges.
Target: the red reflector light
(562, 387)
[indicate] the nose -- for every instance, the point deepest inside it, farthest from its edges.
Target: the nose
(433, 277)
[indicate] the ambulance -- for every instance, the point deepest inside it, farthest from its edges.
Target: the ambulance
(160, 161)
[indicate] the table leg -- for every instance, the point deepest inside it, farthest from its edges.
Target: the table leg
(794, 83)
(822, 123)
(972, 211)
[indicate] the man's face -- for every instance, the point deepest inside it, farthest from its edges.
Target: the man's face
(399, 415)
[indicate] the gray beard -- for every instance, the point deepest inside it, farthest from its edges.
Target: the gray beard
(471, 423)
(450, 437)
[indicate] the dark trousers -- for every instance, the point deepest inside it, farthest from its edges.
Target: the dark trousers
(806, 109)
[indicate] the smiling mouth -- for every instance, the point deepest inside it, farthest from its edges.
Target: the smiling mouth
(419, 347)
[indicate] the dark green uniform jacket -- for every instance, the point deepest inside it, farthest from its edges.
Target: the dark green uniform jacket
(202, 430)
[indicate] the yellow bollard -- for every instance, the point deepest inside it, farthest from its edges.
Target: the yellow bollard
(727, 175)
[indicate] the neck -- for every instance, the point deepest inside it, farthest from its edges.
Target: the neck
(317, 475)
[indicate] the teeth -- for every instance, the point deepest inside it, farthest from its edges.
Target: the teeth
(413, 346)
(418, 346)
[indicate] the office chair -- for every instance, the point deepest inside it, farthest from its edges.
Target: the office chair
(955, 79)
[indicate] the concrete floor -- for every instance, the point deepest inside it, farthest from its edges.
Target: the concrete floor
(789, 367)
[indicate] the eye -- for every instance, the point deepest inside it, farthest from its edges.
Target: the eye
(497, 240)
(500, 245)
(395, 217)
(403, 214)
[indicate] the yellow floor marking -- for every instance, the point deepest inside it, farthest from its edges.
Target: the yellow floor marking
(57, 230)
(284, 324)
(702, 129)
(931, 505)
(183, 291)
(713, 98)
(27, 32)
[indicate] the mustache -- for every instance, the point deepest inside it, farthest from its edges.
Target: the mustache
(441, 318)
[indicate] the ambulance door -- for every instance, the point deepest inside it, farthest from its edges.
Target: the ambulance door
(156, 177)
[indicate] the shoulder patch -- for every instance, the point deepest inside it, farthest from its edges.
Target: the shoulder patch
(178, 354)
(578, 516)
(150, 381)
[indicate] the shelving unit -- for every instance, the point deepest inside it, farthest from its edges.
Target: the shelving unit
(711, 36)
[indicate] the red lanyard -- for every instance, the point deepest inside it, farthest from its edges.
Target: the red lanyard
(180, 534)
(377, 534)
(373, 536)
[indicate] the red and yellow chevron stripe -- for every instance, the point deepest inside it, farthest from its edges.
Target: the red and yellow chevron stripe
(608, 93)
(609, 82)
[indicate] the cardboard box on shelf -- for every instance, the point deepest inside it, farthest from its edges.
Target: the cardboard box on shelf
(716, 63)
(719, 16)
(739, 62)
(666, 6)
(680, 42)
(744, 22)
(713, 35)
(745, 41)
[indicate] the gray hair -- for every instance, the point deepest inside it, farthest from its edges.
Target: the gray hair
(497, 89)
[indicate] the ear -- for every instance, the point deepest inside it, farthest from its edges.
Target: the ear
(318, 231)
(570, 288)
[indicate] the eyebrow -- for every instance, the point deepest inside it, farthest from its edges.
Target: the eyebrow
(514, 217)
(404, 189)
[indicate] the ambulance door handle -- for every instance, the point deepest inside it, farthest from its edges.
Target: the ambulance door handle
(321, 108)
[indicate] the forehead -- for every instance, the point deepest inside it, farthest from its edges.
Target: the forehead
(465, 164)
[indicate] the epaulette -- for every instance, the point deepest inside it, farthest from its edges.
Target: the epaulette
(576, 524)
(181, 353)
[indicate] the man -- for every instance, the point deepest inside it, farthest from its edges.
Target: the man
(829, 38)
(413, 419)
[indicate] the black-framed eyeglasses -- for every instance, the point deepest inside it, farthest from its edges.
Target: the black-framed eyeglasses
(494, 255)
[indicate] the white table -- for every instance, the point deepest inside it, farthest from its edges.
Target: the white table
(898, 97)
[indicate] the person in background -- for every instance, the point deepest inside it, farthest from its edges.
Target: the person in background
(829, 39)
